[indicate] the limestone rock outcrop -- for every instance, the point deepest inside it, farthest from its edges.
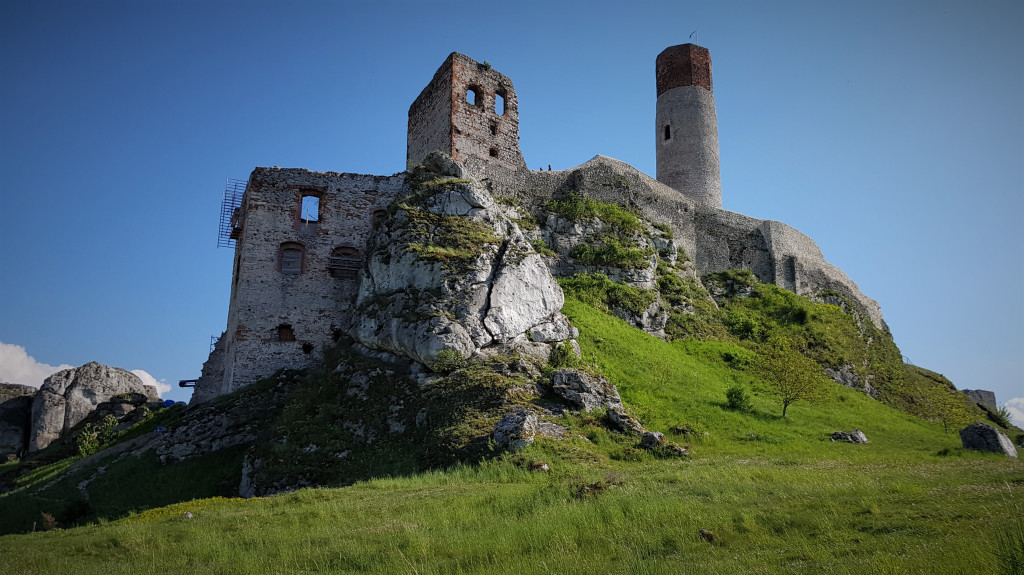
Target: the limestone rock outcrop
(15, 418)
(583, 390)
(516, 430)
(69, 396)
(451, 270)
(983, 437)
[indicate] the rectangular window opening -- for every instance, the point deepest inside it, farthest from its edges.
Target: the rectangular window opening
(499, 103)
(310, 209)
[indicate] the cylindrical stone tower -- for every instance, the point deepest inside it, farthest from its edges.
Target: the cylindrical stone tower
(687, 125)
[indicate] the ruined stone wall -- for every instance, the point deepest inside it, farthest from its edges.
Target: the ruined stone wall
(776, 253)
(430, 118)
(278, 319)
(459, 113)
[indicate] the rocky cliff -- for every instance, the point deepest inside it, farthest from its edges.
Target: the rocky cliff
(15, 418)
(69, 396)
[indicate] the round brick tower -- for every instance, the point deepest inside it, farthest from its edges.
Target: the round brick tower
(686, 124)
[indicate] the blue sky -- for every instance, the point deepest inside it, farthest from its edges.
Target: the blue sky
(891, 133)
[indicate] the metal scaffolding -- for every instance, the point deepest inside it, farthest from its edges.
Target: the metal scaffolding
(230, 227)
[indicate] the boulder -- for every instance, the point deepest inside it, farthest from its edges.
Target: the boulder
(983, 437)
(623, 421)
(69, 396)
(15, 418)
(652, 439)
(516, 430)
(584, 390)
(419, 296)
(855, 436)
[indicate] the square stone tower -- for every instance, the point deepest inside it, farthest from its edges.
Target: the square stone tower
(469, 111)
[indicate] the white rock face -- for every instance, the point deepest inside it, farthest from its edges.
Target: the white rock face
(415, 305)
(523, 294)
(68, 396)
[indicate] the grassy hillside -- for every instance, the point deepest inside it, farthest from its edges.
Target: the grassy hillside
(772, 495)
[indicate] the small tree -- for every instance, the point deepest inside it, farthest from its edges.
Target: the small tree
(947, 406)
(737, 398)
(792, 375)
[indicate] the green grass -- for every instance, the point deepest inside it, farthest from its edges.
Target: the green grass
(779, 496)
(577, 207)
(606, 295)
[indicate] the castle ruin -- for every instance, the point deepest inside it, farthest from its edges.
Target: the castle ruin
(300, 236)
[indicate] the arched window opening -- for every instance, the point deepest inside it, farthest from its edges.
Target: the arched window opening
(494, 152)
(474, 96)
(378, 216)
(668, 132)
(291, 258)
(345, 263)
(285, 333)
(310, 208)
(493, 128)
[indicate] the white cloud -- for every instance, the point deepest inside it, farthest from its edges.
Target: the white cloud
(1016, 408)
(161, 386)
(17, 366)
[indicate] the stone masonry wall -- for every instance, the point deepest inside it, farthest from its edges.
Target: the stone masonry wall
(480, 134)
(279, 320)
(430, 115)
(686, 124)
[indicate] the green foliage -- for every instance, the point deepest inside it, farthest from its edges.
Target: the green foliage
(448, 360)
(792, 376)
(933, 397)
(693, 313)
(452, 240)
(542, 248)
(825, 333)
(665, 230)
(563, 356)
(1002, 416)
(96, 436)
(737, 398)
(611, 251)
(604, 294)
(576, 207)
(731, 279)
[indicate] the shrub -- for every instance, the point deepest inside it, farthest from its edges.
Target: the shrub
(604, 294)
(564, 356)
(96, 436)
(448, 360)
(541, 247)
(576, 206)
(738, 398)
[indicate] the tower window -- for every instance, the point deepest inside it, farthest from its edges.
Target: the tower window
(499, 102)
(668, 132)
(494, 152)
(378, 216)
(310, 208)
(285, 333)
(291, 258)
(474, 96)
(493, 129)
